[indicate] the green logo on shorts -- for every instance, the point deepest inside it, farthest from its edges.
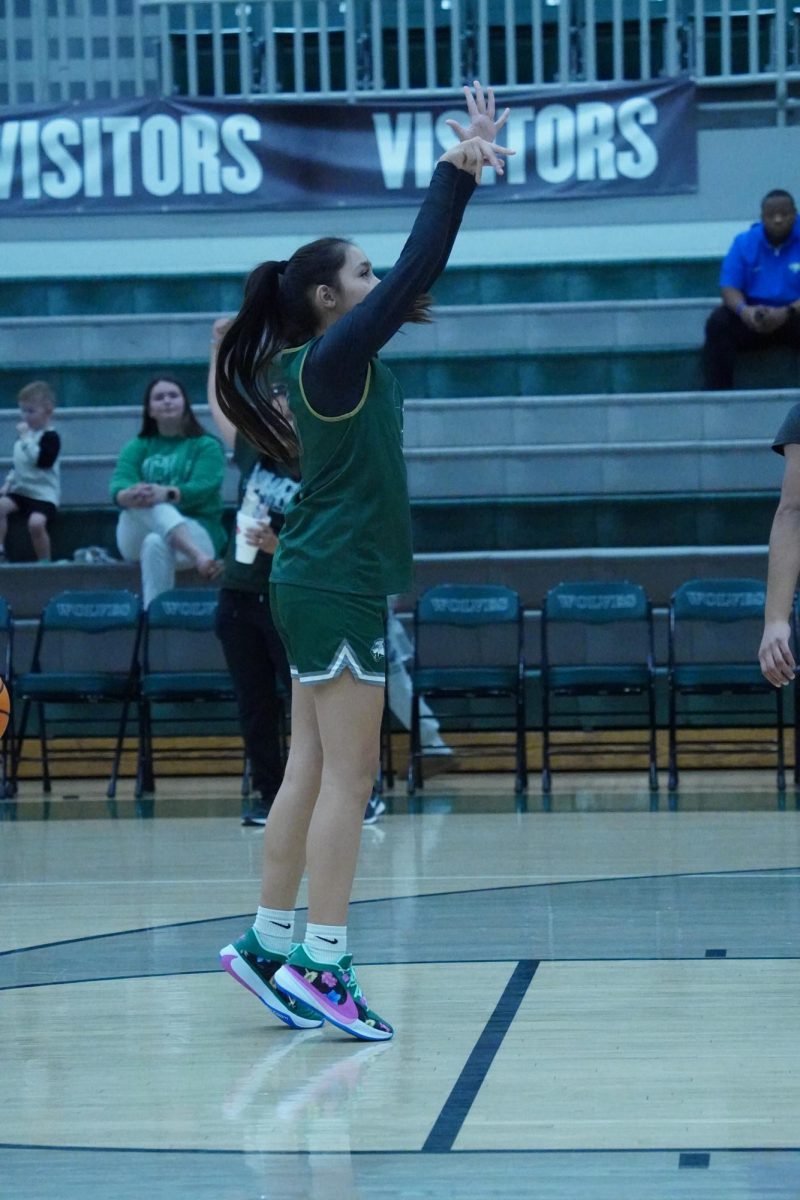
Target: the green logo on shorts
(378, 649)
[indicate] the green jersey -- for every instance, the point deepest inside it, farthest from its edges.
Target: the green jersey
(348, 529)
(196, 465)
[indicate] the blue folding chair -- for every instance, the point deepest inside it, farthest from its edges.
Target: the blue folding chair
(185, 680)
(77, 629)
(468, 645)
(714, 631)
(621, 613)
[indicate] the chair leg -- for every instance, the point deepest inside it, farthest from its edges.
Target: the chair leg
(413, 755)
(522, 749)
(8, 782)
(547, 776)
(46, 784)
(145, 781)
(111, 790)
(652, 741)
(672, 764)
(18, 742)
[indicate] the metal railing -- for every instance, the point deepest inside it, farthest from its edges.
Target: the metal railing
(308, 49)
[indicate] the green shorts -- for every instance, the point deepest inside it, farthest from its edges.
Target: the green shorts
(325, 632)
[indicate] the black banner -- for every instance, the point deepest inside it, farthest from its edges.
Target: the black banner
(188, 155)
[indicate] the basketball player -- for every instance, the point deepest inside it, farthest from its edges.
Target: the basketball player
(345, 546)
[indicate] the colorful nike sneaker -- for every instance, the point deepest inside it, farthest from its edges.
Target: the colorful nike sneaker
(250, 964)
(332, 990)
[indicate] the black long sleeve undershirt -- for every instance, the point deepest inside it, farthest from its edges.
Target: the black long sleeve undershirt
(336, 366)
(49, 447)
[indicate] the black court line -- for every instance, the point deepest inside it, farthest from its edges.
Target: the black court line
(410, 962)
(205, 1151)
(503, 887)
(693, 1158)
(458, 1103)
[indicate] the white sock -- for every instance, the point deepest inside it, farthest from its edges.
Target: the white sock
(275, 929)
(325, 943)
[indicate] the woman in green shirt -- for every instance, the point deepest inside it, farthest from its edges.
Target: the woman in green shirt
(345, 546)
(168, 483)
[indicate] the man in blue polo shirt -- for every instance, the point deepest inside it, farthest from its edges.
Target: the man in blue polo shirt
(760, 283)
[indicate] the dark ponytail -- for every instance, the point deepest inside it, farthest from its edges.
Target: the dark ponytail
(277, 312)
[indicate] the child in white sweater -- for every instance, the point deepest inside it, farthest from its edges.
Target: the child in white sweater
(33, 485)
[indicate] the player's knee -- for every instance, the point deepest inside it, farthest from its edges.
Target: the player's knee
(37, 522)
(303, 768)
(352, 775)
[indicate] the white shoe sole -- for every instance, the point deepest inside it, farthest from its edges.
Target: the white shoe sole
(290, 983)
(232, 962)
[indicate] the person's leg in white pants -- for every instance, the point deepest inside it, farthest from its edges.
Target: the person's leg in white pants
(143, 534)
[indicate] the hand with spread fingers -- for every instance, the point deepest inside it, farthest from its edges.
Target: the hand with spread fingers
(475, 154)
(481, 110)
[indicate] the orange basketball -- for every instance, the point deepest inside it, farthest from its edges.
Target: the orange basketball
(5, 707)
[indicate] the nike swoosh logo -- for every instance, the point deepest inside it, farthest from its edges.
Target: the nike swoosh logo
(330, 941)
(346, 1011)
(281, 924)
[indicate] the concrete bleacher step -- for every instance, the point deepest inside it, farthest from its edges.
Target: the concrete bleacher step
(515, 420)
(660, 570)
(602, 419)
(505, 470)
(516, 446)
(183, 337)
(489, 284)
(444, 375)
(523, 524)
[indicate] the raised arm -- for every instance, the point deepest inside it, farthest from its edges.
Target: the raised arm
(334, 372)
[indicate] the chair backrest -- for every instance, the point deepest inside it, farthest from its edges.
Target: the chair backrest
(92, 612)
(580, 624)
(6, 620)
(702, 614)
(183, 608)
(468, 625)
(179, 635)
(719, 600)
(468, 605)
(110, 620)
(596, 603)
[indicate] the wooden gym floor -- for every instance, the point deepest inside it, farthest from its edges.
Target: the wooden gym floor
(595, 1002)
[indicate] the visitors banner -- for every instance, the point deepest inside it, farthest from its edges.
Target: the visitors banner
(173, 155)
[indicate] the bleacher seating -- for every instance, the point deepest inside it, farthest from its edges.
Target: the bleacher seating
(562, 416)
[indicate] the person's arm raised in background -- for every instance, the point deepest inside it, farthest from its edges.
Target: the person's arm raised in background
(225, 428)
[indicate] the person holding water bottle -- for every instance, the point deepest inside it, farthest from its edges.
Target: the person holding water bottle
(253, 650)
